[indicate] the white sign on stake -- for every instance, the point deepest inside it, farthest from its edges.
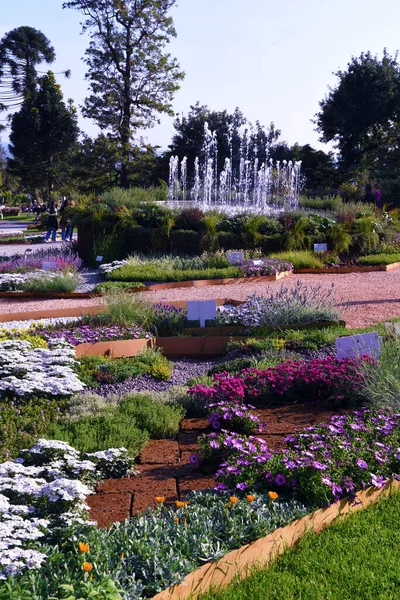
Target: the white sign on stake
(320, 247)
(49, 266)
(258, 263)
(234, 258)
(354, 346)
(201, 310)
(99, 258)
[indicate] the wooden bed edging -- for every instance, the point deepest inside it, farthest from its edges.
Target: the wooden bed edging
(260, 553)
(343, 270)
(205, 282)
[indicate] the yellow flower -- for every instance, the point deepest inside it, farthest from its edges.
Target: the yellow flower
(233, 500)
(250, 498)
(87, 566)
(273, 495)
(83, 547)
(122, 554)
(160, 499)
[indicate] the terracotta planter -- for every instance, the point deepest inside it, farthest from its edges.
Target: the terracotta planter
(113, 349)
(260, 553)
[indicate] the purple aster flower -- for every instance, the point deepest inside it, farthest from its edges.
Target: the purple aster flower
(194, 460)
(280, 479)
(242, 486)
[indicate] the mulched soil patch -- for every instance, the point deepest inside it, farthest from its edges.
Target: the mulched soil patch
(164, 464)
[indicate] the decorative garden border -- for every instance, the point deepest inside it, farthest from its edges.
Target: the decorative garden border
(260, 553)
(343, 270)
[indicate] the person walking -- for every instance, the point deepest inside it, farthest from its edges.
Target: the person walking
(66, 224)
(52, 226)
(369, 195)
(377, 196)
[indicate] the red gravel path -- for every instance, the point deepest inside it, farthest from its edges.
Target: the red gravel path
(370, 297)
(164, 464)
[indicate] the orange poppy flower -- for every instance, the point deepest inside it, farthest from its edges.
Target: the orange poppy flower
(160, 499)
(250, 498)
(83, 547)
(233, 500)
(87, 566)
(273, 495)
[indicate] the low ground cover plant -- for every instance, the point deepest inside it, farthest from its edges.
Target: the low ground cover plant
(95, 370)
(63, 258)
(326, 379)
(206, 266)
(90, 333)
(26, 370)
(379, 259)
(323, 463)
(203, 527)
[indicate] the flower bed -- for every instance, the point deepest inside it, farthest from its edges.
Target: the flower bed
(26, 370)
(327, 379)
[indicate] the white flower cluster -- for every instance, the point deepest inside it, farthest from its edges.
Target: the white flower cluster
(42, 491)
(109, 267)
(28, 370)
(11, 282)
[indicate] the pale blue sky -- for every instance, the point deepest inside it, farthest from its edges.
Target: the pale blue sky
(272, 59)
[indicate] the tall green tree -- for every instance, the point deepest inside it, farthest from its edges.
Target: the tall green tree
(21, 50)
(361, 114)
(43, 134)
(132, 79)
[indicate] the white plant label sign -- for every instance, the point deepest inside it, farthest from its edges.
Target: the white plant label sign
(234, 258)
(320, 247)
(354, 346)
(99, 258)
(201, 310)
(258, 263)
(49, 266)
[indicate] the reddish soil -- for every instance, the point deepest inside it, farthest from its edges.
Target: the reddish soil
(165, 469)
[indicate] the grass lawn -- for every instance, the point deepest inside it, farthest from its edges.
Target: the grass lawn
(357, 558)
(22, 217)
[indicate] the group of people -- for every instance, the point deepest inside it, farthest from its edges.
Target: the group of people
(373, 195)
(60, 218)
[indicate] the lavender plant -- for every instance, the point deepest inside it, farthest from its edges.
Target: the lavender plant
(300, 304)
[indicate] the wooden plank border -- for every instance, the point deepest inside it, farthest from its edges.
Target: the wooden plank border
(260, 553)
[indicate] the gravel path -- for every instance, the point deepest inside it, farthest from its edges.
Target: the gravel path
(368, 297)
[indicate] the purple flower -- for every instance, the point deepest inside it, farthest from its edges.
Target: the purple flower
(280, 479)
(241, 486)
(194, 459)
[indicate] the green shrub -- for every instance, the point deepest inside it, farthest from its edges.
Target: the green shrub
(21, 423)
(296, 238)
(270, 243)
(329, 203)
(379, 259)
(100, 432)
(159, 420)
(100, 369)
(301, 259)
(228, 240)
(381, 385)
(185, 241)
(59, 283)
(123, 308)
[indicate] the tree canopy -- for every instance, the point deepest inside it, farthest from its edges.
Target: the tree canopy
(132, 79)
(21, 50)
(361, 113)
(43, 134)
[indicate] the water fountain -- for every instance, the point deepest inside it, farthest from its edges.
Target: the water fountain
(250, 187)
